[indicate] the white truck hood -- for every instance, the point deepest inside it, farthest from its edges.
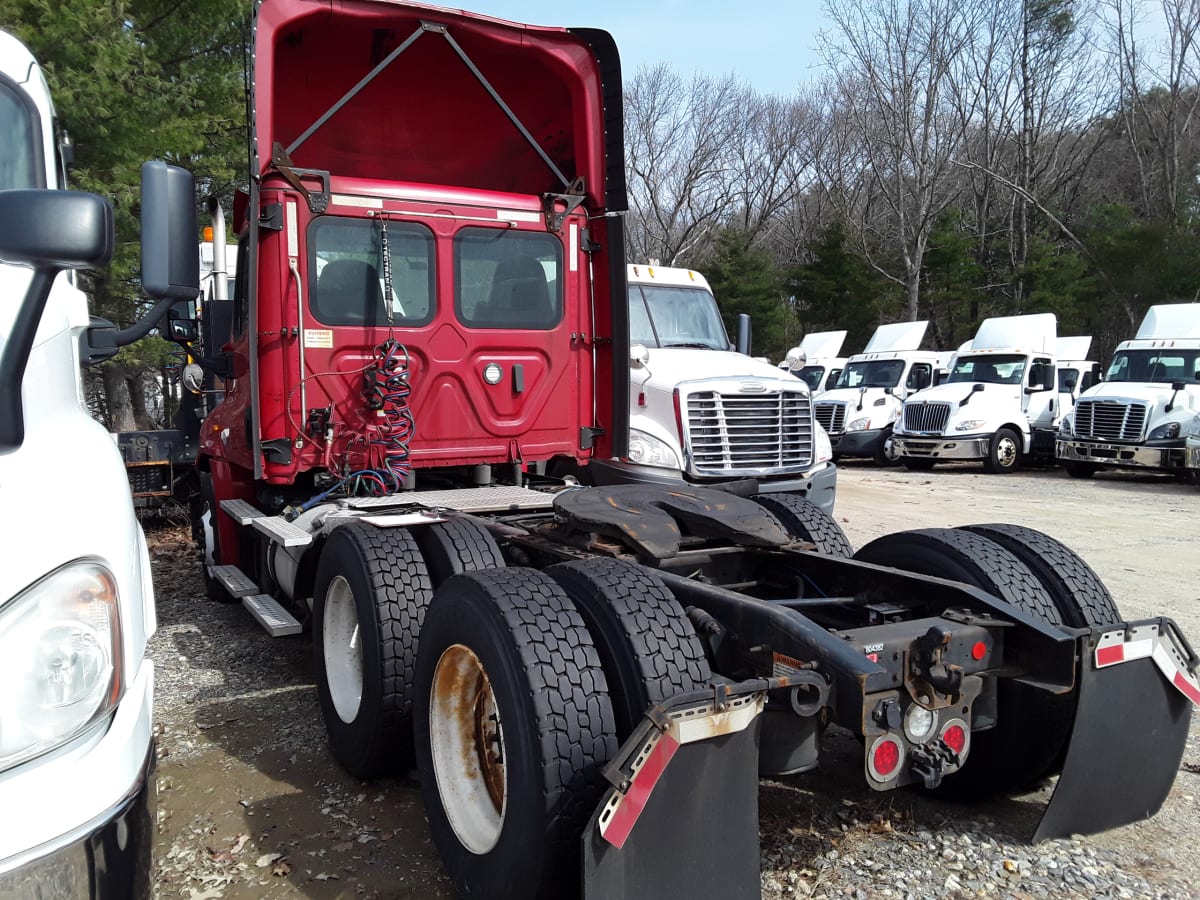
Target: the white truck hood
(880, 414)
(668, 366)
(996, 404)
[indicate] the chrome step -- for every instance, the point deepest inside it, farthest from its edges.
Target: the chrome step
(234, 580)
(282, 531)
(240, 511)
(271, 616)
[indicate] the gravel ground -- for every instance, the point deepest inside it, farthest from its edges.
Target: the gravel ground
(251, 804)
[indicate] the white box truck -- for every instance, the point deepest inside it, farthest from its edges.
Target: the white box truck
(861, 409)
(816, 360)
(1139, 415)
(703, 414)
(1000, 403)
(76, 601)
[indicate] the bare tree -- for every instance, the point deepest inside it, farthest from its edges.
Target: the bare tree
(894, 62)
(1158, 98)
(679, 148)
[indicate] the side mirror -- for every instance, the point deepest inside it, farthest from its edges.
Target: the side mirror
(181, 323)
(170, 238)
(977, 387)
(743, 334)
(48, 231)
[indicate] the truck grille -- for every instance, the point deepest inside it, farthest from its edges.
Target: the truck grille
(1110, 420)
(831, 416)
(926, 417)
(735, 434)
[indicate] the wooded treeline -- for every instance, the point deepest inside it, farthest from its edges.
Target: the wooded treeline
(957, 159)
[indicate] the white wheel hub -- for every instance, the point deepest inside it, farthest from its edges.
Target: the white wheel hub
(341, 649)
(467, 745)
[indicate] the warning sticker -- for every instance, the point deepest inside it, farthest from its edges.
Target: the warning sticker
(318, 338)
(785, 666)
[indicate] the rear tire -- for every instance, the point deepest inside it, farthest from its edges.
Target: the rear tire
(370, 598)
(1032, 726)
(917, 463)
(455, 546)
(508, 792)
(1004, 452)
(648, 648)
(806, 521)
(1079, 595)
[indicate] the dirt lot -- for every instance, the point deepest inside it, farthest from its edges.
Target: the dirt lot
(252, 805)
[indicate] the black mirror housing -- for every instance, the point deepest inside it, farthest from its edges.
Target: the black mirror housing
(56, 229)
(170, 238)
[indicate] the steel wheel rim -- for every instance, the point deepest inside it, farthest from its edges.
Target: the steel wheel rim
(341, 646)
(206, 523)
(1006, 452)
(467, 745)
(889, 450)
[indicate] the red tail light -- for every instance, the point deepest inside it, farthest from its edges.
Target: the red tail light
(885, 757)
(954, 736)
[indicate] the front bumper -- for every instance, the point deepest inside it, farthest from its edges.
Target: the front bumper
(819, 486)
(1131, 455)
(858, 443)
(108, 859)
(940, 448)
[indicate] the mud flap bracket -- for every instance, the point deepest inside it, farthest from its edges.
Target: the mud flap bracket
(688, 785)
(1136, 692)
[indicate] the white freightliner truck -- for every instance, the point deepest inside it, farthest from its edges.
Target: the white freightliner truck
(999, 404)
(1140, 414)
(859, 412)
(816, 361)
(704, 414)
(76, 600)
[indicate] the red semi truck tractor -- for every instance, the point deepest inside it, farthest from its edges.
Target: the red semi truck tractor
(428, 350)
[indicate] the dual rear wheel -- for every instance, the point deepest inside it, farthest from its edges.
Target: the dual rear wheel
(520, 689)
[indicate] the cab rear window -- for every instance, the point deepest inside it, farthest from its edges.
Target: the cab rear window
(346, 256)
(507, 279)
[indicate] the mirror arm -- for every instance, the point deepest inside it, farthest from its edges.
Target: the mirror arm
(102, 340)
(15, 356)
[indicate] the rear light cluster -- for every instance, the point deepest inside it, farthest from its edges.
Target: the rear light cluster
(887, 754)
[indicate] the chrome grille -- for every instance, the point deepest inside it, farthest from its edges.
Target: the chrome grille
(740, 434)
(831, 416)
(930, 418)
(1110, 420)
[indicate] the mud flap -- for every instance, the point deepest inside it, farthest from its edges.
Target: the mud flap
(684, 822)
(1131, 724)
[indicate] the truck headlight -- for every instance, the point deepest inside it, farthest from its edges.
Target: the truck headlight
(861, 424)
(60, 660)
(1165, 432)
(822, 448)
(970, 425)
(647, 450)
(1067, 426)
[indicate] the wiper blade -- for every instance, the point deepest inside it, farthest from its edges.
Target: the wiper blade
(693, 346)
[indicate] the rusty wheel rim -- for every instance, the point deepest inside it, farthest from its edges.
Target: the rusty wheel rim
(467, 745)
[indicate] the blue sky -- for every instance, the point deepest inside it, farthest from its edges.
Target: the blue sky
(767, 43)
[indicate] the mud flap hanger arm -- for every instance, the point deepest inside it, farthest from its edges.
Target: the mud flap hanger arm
(570, 187)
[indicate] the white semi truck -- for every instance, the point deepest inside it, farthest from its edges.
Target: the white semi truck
(1000, 403)
(76, 600)
(1139, 415)
(704, 414)
(816, 361)
(861, 409)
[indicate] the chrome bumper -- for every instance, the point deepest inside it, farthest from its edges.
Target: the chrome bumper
(940, 448)
(1191, 457)
(1134, 455)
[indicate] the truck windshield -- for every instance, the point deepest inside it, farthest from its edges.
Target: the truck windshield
(19, 161)
(1155, 366)
(811, 375)
(675, 317)
(988, 369)
(878, 373)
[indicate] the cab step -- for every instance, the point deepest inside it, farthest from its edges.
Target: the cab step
(277, 528)
(276, 620)
(234, 580)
